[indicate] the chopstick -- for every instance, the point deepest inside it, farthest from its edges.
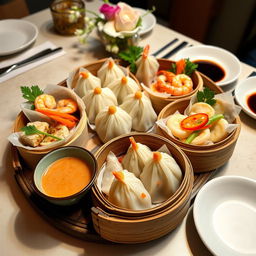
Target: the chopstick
(165, 47)
(175, 50)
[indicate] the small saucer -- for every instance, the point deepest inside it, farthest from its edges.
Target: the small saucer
(244, 89)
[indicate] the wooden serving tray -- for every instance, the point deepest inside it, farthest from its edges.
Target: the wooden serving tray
(74, 220)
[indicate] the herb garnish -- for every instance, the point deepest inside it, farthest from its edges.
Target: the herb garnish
(30, 94)
(189, 67)
(31, 129)
(131, 55)
(207, 96)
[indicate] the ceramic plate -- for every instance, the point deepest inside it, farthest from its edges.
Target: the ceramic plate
(228, 61)
(148, 21)
(16, 35)
(225, 216)
(244, 89)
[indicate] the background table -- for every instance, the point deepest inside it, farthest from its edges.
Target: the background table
(23, 231)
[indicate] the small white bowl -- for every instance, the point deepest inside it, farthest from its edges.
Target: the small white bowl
(225, 215)
(228, 61)
(242, 91)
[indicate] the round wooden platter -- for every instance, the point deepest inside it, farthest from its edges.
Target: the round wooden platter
(74, 220)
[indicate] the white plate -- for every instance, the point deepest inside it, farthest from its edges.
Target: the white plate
(224, 58)
(148, 21)
(16, 35)
(225, 216)
(242, 91)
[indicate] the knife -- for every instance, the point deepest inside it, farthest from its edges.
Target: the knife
(39, 55)
(175, 50)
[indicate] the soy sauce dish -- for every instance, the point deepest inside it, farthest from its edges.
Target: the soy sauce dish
(245, 95)
(65, 175)
(221, 66)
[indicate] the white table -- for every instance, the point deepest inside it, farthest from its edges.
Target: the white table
(23, 231)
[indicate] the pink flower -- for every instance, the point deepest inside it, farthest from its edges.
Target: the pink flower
(126, 18)
(109, 11)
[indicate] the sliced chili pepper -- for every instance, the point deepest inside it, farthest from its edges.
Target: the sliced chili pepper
(194, 122)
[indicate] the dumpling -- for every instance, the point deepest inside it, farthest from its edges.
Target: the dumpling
(128, 192)
(173, 124)
(161, 176)
(123, 87)
(202, 107)
(203, 138)
(112, 164)
(109, 72)
(147, 67)
(139, 107)
(86, 81)
(219, 130)
(136, 157)
(97, 99)
(112, 122)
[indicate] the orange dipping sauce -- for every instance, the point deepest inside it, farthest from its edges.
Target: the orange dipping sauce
(66, 177)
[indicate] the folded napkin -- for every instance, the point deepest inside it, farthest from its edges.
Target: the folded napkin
(27, 54)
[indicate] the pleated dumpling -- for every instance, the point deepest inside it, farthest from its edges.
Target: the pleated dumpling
(147, 67)
(136, 157)
(111, 122)
(86, 81)
(109, 72)
(161, 176)
(128, 192)
(96, 100)
(139, 107)
(112, 164)
(123, 87)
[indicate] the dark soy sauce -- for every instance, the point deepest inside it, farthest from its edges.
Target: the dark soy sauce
(251, 102)
(211, 69)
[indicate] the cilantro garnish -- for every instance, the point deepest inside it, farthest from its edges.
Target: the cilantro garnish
(31, 93)
(189, 68)
(207, 96)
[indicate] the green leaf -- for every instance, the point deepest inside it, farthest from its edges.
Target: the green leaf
(173, 68)
(207, 96)
(139, 22)
(31, 93)
(31, 129)
(190, 67)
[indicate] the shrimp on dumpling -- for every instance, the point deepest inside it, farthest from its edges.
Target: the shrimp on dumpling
(111, 122)
(128, 192)
(96, 100)
(147, 67)
(123, 87)
(161, 176)
(109, 72)
(136, 157)
(86, 81)
(139, 107)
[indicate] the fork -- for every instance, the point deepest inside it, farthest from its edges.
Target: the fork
(46, 52)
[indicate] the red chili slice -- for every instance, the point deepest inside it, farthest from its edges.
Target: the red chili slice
(194, 122)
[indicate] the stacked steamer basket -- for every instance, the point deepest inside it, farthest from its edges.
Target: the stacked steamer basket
(159, 102)
(207, 157)
(31, 157)
(129, 226)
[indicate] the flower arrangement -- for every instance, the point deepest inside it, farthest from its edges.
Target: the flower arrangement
(118, 26)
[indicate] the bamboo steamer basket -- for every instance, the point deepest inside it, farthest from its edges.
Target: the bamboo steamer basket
(144, 225)
(31, 157)
(159, 102)
(94, 67)
(206, 157)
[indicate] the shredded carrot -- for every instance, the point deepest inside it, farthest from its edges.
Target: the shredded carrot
(120, 159)
(48, 112)
(85, 75)
(112, 110)
(110, 64)
(138, 95)
(157, 156)
(124, 80)
(134, 144)
(61, 120)
(180, 66)
(143, 195)
(119, 176)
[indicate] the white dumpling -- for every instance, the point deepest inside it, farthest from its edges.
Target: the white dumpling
(203, 138)
(123, 87)
(86, 81)
(139, 107)
(128, 192)
(136, 157)
(161, 176)
(219, 130)
(96, 100)
(202, 107)
(147, 67)
(112, 164)
(173, 124)
(109, 72)
(111, 122)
